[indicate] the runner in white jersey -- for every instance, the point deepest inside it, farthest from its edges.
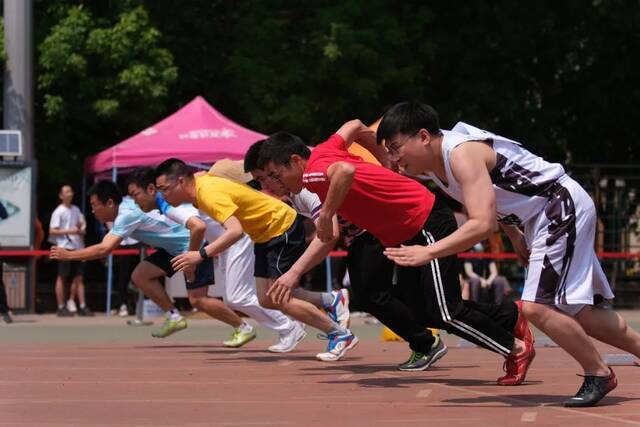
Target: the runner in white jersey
(234, 273)
(566, 292)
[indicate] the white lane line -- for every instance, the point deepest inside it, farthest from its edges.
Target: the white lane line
(424, 393)
(345, 376)
(528, 417)
(285, 363)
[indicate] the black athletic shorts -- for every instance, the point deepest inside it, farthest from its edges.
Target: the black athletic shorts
(277, 256)
(70, 269)
(204, 271)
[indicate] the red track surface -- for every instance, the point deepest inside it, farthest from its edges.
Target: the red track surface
(208, 385)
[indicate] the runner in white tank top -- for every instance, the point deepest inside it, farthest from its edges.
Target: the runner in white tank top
(558, 217)
(566, 291)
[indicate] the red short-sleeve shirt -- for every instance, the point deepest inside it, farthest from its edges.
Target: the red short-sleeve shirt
(390, 206)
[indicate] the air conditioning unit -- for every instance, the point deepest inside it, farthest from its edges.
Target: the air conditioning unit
(10, 143)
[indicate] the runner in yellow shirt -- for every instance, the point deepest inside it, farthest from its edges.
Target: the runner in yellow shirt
(275, 228)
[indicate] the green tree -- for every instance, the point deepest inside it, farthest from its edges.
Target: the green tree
(103, 74)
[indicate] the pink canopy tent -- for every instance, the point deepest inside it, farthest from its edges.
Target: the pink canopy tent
(196, 133)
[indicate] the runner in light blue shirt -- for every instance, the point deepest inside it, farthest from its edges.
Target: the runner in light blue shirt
(151, 228)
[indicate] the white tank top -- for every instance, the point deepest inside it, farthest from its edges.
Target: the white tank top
(521, 180)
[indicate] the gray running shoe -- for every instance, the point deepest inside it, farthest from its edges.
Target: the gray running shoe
(422, 362)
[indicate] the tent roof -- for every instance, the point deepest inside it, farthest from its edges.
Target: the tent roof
(196, 133)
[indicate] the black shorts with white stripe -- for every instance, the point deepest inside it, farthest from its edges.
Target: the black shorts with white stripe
(487, 325)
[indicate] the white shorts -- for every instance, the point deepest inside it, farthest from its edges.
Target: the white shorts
(563, 267)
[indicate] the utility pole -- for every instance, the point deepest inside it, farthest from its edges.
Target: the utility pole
(18, 107)
(18, 73)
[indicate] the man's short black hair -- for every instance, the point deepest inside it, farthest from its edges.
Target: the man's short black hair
(279, 148)
(173, 168)
(105, 190)
(141, 177)
(66, 184)
(408, 118)
(252, 155)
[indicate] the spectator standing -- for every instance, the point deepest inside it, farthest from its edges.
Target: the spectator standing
(66, 230)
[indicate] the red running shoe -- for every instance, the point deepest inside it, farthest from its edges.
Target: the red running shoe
(522, 330)
(516, 367)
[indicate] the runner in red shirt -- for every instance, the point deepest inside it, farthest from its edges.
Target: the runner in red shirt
(397, 210)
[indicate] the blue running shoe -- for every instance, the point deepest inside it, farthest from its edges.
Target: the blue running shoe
(338, 346)
(338, 311)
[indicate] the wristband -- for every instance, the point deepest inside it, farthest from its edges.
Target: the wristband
(203, 253)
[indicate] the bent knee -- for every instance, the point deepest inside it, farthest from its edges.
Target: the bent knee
(266, 302)
(534, 311)
(197, 302)
(136, 278)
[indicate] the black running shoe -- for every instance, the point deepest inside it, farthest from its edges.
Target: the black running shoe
(422, 362)
(593, 389)
(7, 317)
(64, 312)
(85, 312)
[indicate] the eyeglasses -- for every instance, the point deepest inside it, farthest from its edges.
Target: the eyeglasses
(394, 147)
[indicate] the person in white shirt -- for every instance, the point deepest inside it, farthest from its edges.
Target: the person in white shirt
(66, 230)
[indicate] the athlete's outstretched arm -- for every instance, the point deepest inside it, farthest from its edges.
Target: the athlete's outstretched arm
(356, 131)
(317, 250)
(196, 228)
(470, 170)
(232, 233)
(517, 240)
(340, 175)
(97, 251)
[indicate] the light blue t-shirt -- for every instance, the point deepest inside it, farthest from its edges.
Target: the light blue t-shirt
(151, 228)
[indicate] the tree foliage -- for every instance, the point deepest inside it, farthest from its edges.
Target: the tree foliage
(559, 77)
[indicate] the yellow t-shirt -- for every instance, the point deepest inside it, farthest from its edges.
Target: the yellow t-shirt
(262, 217)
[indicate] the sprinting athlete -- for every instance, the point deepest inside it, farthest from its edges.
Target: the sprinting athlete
(274, 227)
(397, 210)
(566, 293)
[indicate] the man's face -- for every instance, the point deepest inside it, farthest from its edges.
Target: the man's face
(172, 190)
(408, 153)
(104, 212)
(66, 194)
(289, 175)
(145, 198)
(268, 183)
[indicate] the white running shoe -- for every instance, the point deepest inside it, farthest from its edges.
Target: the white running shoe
(338, 346)
(290, 340)
(338, 311)
(123, 312)
(71, 306)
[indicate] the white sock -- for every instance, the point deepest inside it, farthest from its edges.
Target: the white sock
(337, 329)
(245, 327)
(173, 314)
(327, 299)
